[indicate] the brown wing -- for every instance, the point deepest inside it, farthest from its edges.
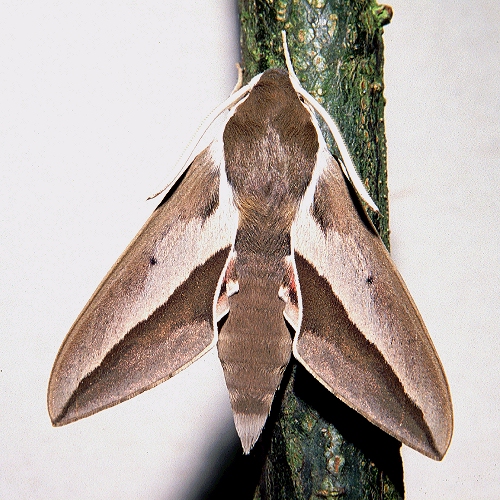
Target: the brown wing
(361, 334)
(153, 314)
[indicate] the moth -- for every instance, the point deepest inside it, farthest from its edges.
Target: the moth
(262, 234)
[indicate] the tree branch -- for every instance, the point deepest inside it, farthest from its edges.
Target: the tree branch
(314, 446)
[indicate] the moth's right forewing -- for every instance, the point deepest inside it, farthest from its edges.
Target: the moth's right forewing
(361, 333)
(152, 315)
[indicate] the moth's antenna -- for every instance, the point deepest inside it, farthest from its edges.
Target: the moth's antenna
(189, 152)
(288, 60)
(346, 163)
(239, 83)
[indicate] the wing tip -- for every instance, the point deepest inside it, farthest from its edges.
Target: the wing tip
(62, 415)
(431, 449)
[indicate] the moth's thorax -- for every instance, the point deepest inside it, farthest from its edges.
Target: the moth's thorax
(270, 149)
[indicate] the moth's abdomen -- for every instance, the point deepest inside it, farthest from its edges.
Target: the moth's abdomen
(254, 343)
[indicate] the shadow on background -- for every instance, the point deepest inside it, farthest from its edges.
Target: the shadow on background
(230, 474)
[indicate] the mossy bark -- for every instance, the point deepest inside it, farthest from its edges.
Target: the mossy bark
(314, 447)
(337, 52)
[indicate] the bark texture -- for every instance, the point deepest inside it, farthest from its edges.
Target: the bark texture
(314, 447)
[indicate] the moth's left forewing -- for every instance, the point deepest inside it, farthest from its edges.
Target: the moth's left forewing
(153, 314)
(361, 334)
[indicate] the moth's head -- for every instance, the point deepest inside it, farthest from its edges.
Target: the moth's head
(278, 85)
(273, 80)
(272, 93)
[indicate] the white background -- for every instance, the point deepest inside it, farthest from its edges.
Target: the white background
(97, 102)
